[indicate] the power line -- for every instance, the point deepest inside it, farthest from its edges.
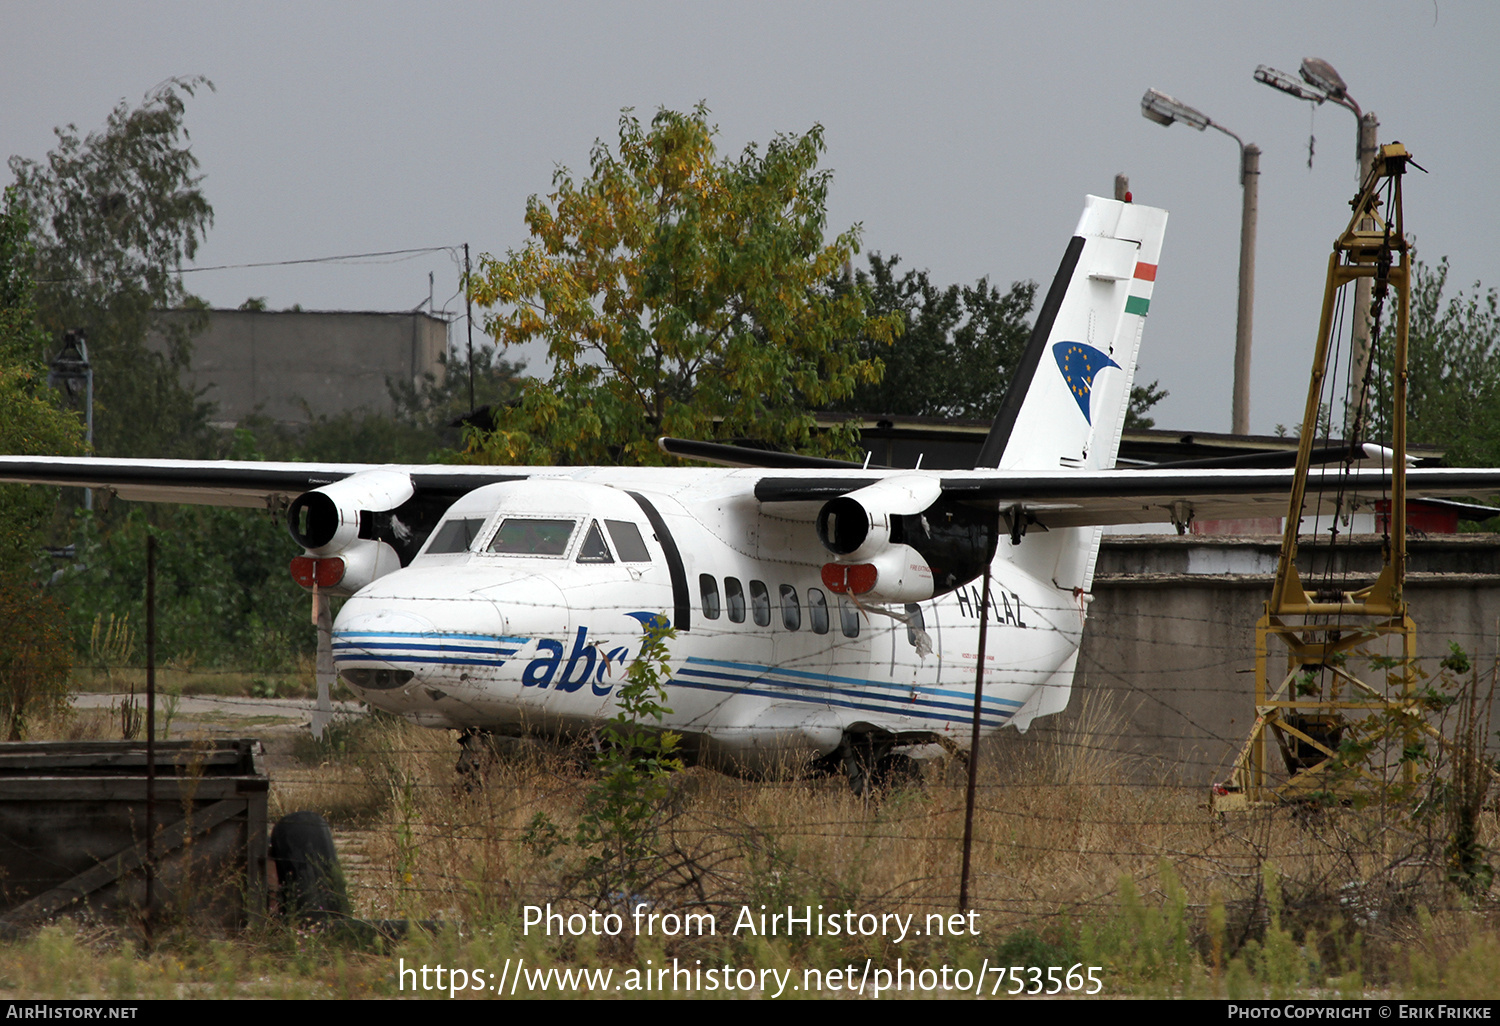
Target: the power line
(322, 260)
(279, 263)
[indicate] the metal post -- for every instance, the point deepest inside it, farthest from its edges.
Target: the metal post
(323, 617)
(1250, 181)
(984, 620)
(150, 866)
(469, 317)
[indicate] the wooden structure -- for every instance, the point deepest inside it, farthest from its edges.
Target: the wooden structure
(73, 821)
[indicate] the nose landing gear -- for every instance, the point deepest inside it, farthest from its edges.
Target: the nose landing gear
(478, 751)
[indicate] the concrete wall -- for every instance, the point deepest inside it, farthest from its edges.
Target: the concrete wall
(1169, 648)
(291, 364)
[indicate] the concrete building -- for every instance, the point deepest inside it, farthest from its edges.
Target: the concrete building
(291, 366)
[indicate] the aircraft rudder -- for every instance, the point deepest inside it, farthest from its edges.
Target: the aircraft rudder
(1067, 401)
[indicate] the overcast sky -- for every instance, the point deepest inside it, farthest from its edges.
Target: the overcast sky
(962, 136)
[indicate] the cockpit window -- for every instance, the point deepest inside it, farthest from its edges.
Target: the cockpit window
(628, 544)
(456, 535)
(518, 537)
(593, 549)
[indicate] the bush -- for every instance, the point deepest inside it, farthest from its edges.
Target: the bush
(35, 655)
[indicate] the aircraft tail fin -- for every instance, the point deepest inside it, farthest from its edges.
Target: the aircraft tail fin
(1066, 405)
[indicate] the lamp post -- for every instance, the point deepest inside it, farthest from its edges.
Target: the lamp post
(1165, 110)
(70, 370)
(1325, 85)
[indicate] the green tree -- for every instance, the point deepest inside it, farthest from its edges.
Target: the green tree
(956, 348)
(678, 293)
(1453, 369)
(34, 645)
(31, 422)
(224, 595)
(113, 216)
(1142, 398)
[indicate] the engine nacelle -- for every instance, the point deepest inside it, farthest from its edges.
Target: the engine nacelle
(856, 526)
(900, 540)
(335, 525)
(326, 520)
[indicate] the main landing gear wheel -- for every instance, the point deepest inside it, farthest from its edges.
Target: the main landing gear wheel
(872, 767)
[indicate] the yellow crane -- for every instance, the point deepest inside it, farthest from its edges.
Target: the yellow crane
(1330, 662)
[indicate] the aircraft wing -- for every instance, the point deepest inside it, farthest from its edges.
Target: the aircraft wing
(230, 482)
(1051, 499)
(1085, 499)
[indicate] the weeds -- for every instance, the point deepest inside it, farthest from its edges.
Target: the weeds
(621, 818)
(1072, 867)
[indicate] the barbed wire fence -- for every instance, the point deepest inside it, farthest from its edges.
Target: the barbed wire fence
(1084, 819)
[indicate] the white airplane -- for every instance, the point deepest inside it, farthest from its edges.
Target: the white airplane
(825, 614)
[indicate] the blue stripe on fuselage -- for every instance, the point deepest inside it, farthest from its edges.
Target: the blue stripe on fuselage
(761, 681)
(437, 649)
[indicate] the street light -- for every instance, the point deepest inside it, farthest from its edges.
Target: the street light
(1166, 110)
(1286, 83)
(1327, 85)
(1319, 74)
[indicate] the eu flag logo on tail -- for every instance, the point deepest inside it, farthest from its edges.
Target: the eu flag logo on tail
(1079, 365)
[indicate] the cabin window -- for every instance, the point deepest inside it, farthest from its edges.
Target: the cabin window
(817, 611)
(518, 537)
(708, 585)
(628, 543)
(914, 622)
(760, 603)
(593, 549)
(734, 599)
(456, 535)
(791, 609)
(848, 617)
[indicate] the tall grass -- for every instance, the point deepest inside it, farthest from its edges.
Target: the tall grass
(1070, 867)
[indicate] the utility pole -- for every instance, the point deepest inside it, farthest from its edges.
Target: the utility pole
(1166, 110)
(469, 317)
(1245, 315)
(1369, 127)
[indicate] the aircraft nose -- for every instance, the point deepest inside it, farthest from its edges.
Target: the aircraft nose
(381, 649)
